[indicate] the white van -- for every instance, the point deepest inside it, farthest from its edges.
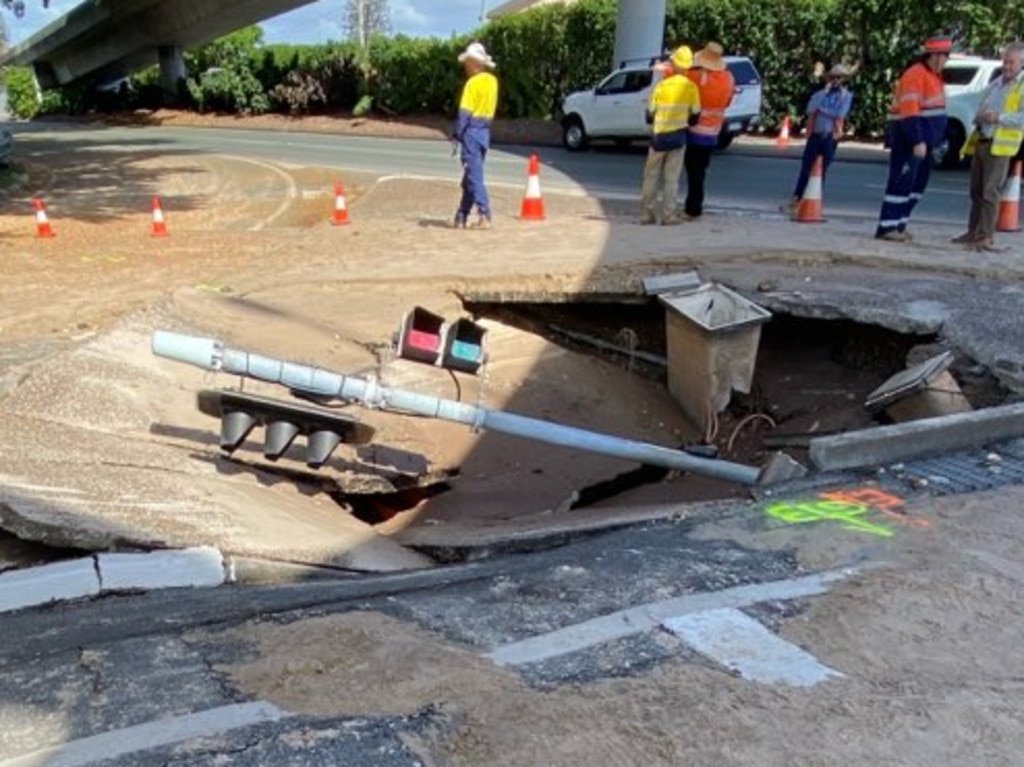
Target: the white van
(965, 78)
(614, 109)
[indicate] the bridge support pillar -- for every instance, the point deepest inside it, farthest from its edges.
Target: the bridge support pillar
(640, 31)
(172, 71)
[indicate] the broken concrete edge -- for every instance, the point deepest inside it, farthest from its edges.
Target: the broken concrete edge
(105, 573)
(918, 439)
(451, 543)
(198, 567)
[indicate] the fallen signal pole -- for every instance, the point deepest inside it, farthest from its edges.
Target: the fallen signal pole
(213, 355)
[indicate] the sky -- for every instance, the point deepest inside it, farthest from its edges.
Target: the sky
(317, 22)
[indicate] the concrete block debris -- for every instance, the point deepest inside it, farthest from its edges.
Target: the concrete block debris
(884, 445)
(201, 567)
(54, 582)
(923, 391)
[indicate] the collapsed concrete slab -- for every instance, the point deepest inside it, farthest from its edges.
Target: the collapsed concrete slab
(87, 467)
(918, 439)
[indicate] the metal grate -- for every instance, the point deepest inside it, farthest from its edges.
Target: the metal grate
(966, 472)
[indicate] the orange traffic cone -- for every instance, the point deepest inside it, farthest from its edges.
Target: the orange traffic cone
(159, 223)
(783, 139)
(1009, 202)
(809, 211)
(43, 228)
(533, 204)
(340, 217)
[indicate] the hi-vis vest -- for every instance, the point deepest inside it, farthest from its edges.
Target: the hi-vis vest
(1006, 141)
(673, 100)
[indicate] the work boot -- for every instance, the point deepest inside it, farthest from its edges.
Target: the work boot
(482, 222)
(986, 245)
(790, 207)
(894, 236)
(458, 221)
(671, 219)
(965, 239)
(646, 219)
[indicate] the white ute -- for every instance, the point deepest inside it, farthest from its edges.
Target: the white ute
(966, 77)
(614, 109)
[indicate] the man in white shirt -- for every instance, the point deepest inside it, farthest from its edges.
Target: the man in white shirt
(999, 128)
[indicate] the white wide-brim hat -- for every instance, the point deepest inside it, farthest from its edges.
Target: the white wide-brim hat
(477, 52)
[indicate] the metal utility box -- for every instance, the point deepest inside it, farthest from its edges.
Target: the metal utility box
(713, 335)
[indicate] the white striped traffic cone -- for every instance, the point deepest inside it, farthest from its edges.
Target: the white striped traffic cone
(809, 211)
(1009, 202)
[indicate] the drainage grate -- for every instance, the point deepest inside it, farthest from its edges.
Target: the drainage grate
(967, 472)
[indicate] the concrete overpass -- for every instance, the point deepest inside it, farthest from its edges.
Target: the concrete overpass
(106, 39)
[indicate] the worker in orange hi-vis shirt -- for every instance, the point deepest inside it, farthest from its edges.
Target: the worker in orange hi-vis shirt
(917, 124)
(716, 86)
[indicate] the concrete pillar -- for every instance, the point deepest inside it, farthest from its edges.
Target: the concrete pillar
(640, 30)
(172, 70)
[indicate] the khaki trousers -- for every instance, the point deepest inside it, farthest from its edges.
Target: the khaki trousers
(667, 166)
(988, 174)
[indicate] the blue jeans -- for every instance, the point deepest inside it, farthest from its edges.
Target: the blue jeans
(474, 191)
(818, 145)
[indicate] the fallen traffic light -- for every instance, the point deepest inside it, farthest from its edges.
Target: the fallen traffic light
(240, 413)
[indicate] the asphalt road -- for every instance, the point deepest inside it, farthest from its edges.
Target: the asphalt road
(747, 177)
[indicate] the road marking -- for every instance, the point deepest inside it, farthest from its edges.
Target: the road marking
(292, 190)
(111, 745)
(738, 642)
(636, 620)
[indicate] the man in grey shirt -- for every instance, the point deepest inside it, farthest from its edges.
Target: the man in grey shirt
(999, 127)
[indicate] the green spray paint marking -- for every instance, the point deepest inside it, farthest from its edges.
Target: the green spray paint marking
(850, 514)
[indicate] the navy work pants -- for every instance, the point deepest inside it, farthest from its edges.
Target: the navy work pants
(908, 179)
(696, 161)
(474, 190)
(821, 145)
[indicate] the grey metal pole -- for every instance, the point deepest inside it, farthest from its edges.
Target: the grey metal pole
(210, 354)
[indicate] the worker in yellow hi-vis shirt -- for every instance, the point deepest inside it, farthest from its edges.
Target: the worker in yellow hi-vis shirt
(472, 133)
(673, 108)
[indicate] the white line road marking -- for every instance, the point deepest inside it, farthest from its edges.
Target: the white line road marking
(143, 737)
(738, 642)
(636, 620)
(291, 190)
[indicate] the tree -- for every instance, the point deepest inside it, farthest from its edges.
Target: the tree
(366, 18)
(18, 6)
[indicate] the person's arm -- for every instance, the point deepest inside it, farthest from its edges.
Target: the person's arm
(467, 108)
(652, 103)
(694, 105)
(985, 115)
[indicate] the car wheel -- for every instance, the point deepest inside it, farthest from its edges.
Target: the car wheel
(725, 139)
(574, 137)
(947, 156)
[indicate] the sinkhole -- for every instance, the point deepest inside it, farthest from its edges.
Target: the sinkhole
(809, 378)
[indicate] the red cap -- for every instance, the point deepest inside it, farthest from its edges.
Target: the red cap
(938, 44)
